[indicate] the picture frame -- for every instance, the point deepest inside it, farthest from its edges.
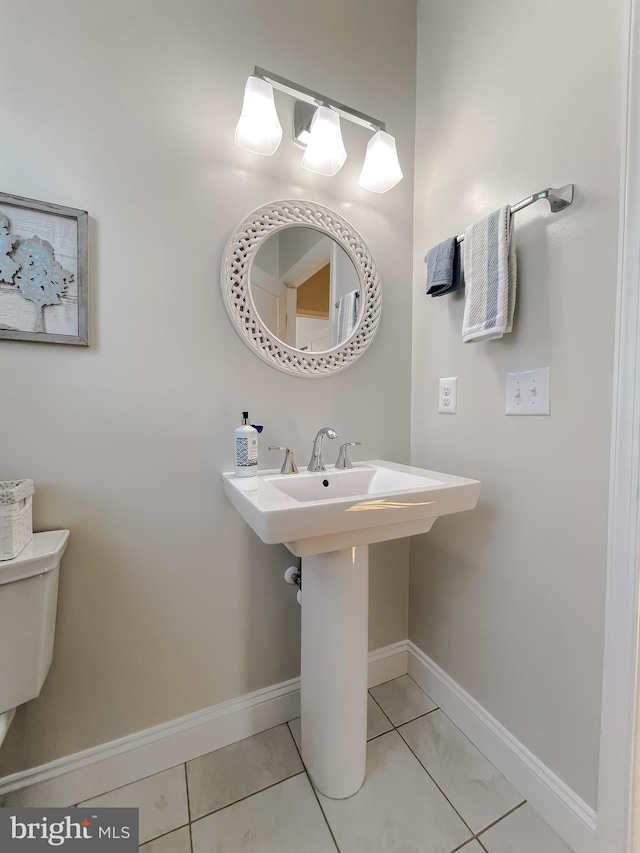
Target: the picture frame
(43, 272)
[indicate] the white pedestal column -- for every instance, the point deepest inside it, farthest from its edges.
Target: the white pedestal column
(335, 623)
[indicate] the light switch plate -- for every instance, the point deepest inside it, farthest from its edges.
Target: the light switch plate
(448, 396)
(528, 392)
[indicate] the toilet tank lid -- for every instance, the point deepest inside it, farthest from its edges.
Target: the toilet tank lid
(42, 554)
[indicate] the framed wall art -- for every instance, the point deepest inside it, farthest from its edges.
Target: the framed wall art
(43, 272)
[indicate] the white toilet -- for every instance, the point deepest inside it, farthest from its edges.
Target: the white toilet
(28, 604)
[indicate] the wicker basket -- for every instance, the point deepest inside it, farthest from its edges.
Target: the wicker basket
(16, 521)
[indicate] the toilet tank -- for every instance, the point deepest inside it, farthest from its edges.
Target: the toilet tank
(28, 604)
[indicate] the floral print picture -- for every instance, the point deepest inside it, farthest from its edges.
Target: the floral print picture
(42, 271)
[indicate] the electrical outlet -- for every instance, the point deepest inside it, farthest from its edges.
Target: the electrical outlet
(448, 396)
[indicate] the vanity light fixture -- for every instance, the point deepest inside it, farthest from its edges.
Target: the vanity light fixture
(317, 128)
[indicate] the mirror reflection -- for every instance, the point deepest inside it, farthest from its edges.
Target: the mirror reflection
(306, 289)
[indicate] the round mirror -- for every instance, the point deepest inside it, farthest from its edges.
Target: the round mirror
(305, 289)
(301, 287)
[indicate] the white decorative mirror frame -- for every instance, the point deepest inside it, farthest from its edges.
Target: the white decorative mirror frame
(239, 253)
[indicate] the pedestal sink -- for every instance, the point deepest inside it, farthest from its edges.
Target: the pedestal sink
(329, 518)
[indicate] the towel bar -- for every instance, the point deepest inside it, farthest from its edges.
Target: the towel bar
(558, 199)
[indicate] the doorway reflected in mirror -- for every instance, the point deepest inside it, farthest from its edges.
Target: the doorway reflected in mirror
(305, 289)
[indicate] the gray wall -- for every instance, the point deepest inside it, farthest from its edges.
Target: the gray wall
(512, 97)
(168, 602)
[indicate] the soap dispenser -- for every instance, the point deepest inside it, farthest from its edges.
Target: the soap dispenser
(246, 448)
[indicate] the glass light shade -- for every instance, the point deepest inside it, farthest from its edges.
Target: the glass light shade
(259, 129)
(325, 151)
(381, 169)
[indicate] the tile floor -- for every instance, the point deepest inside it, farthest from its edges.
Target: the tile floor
(427, 790)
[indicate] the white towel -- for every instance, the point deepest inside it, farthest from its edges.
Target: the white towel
(490, 277)
(348, 310)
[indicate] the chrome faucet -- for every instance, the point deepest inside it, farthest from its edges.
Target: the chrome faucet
(316, 463)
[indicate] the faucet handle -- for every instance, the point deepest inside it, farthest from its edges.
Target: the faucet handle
(343, 460)
(288, 466)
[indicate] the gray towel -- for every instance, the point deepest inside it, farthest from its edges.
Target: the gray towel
(490, 274)
(444, 273)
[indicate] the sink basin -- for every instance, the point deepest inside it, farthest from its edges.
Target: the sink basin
(329, 518)
(312, 513)
(366, 479)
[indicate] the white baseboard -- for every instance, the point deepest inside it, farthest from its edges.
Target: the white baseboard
(387, 663)
(561, 807)
(103, 768)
